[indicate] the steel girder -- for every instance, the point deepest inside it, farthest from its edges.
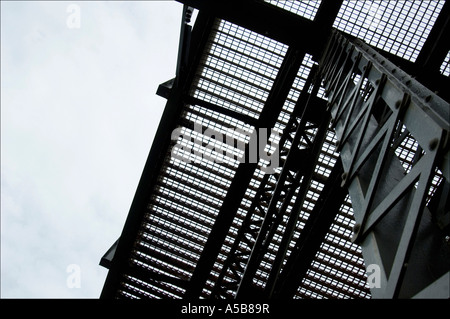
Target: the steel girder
(296, 174)
(375, 107)
(244, 173)
(273, 197)
(372, 116)
(189, 55)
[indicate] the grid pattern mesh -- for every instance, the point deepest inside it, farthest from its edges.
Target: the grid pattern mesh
(445, 66)
(304, 8)
(399, 27)
(408, 153)
(239, 70)
(338, 270)
(327, 159)
(236, 72)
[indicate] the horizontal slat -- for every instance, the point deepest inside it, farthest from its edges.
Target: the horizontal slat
(165, 229)
(178, 223)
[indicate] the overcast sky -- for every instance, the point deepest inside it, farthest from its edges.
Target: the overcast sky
(78, 117)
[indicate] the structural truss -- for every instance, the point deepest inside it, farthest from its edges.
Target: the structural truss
(303, 153)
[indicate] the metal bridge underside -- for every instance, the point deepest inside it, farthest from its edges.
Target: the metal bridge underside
(360, 116)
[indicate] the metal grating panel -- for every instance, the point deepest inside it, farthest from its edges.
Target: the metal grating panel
(189, 194)
(239, 70)
(305, 8)
(232, 83)
(283, 118)
(338, 270)
(399, 27)
(445, 67)
(236, 73)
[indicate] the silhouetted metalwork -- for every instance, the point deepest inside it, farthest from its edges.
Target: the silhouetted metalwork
(375, 108)
(363, 142)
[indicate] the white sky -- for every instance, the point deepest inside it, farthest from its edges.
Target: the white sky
(78, 116)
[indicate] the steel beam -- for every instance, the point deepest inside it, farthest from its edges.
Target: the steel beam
(246, 237)
(367, 117)
(243, 175)
(323, 21)
(437, 45)
(312, 235)
(268, 20)
(301, 167)
(119, 264)
(376, 101)
(440, 287)
(307, 165)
